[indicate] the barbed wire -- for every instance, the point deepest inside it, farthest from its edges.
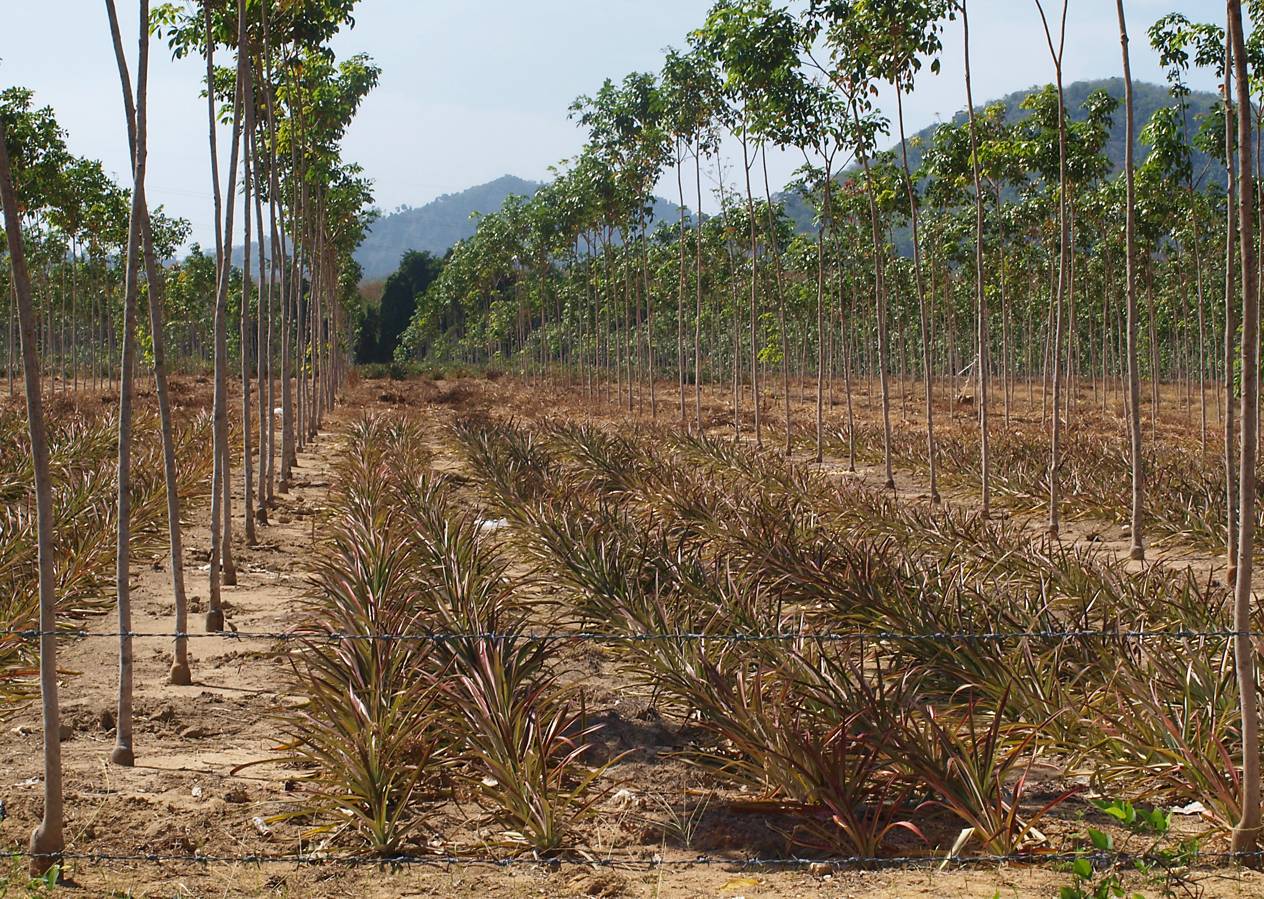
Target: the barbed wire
(1174, 860)
(644, 636)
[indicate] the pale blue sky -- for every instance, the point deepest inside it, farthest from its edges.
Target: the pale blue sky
(473, 89)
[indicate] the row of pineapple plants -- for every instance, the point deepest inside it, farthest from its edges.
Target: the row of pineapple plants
(816, 630)
(440, 707)
(1185, 498)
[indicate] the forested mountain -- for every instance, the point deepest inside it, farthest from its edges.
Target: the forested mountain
(1147, 97)
(437, 225)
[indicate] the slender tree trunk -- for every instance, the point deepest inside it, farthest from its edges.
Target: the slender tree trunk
(1006, 362)
(1231, 323)
(303, 329)
(291, 341)
(775, 244)
(8, 368)
(1106, 285)
(1064, 248)
(1246, 832)
(122, 753)
(726, 211)
(880, 312)
(680, 295)
(1134, 380)
(180, 673)
(276, 278)
(221, 518)
(649, 316)
(74, 313)
(848, 327)
(263, 349)
(980, 295)
(1154, 349)
(924, 322)
(754, 299)
(214, 613)
(248, 99)
(697, 314)
(826, 221)
(47, 840)
(1202, 336)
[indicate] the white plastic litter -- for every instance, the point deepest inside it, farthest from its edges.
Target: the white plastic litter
(1194, 808)
(493, 524)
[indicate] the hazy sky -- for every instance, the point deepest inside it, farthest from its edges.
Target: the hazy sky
(474, 89)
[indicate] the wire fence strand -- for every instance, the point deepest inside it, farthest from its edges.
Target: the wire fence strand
(1100, 859)
(645, 637)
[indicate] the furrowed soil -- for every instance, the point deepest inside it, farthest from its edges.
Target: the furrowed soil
(207, 781)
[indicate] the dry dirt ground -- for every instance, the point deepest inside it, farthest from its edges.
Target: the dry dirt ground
(186, 797)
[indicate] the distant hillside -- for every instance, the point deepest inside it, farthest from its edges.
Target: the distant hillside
(442, 222)
(439, 224)
(435, 226)
(1146, 97)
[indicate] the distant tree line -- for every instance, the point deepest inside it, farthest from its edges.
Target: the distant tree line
(383, 323)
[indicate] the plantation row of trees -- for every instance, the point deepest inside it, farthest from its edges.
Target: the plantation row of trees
(83, 253)
(902, 260)
(75, 232)
(1013, 251)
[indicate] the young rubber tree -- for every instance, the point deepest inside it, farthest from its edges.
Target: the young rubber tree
(980, 295)
(756, 45)
(687, 88)
(853, 69)
(1057, 48)
(123, 753)
(1174, 36)
(1176, 39)
(47, 840)
(712, 111)
(180, 673)
(1137, 550)
(817, 122)
(1246, 832)
(221, 569)
(907, 32)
